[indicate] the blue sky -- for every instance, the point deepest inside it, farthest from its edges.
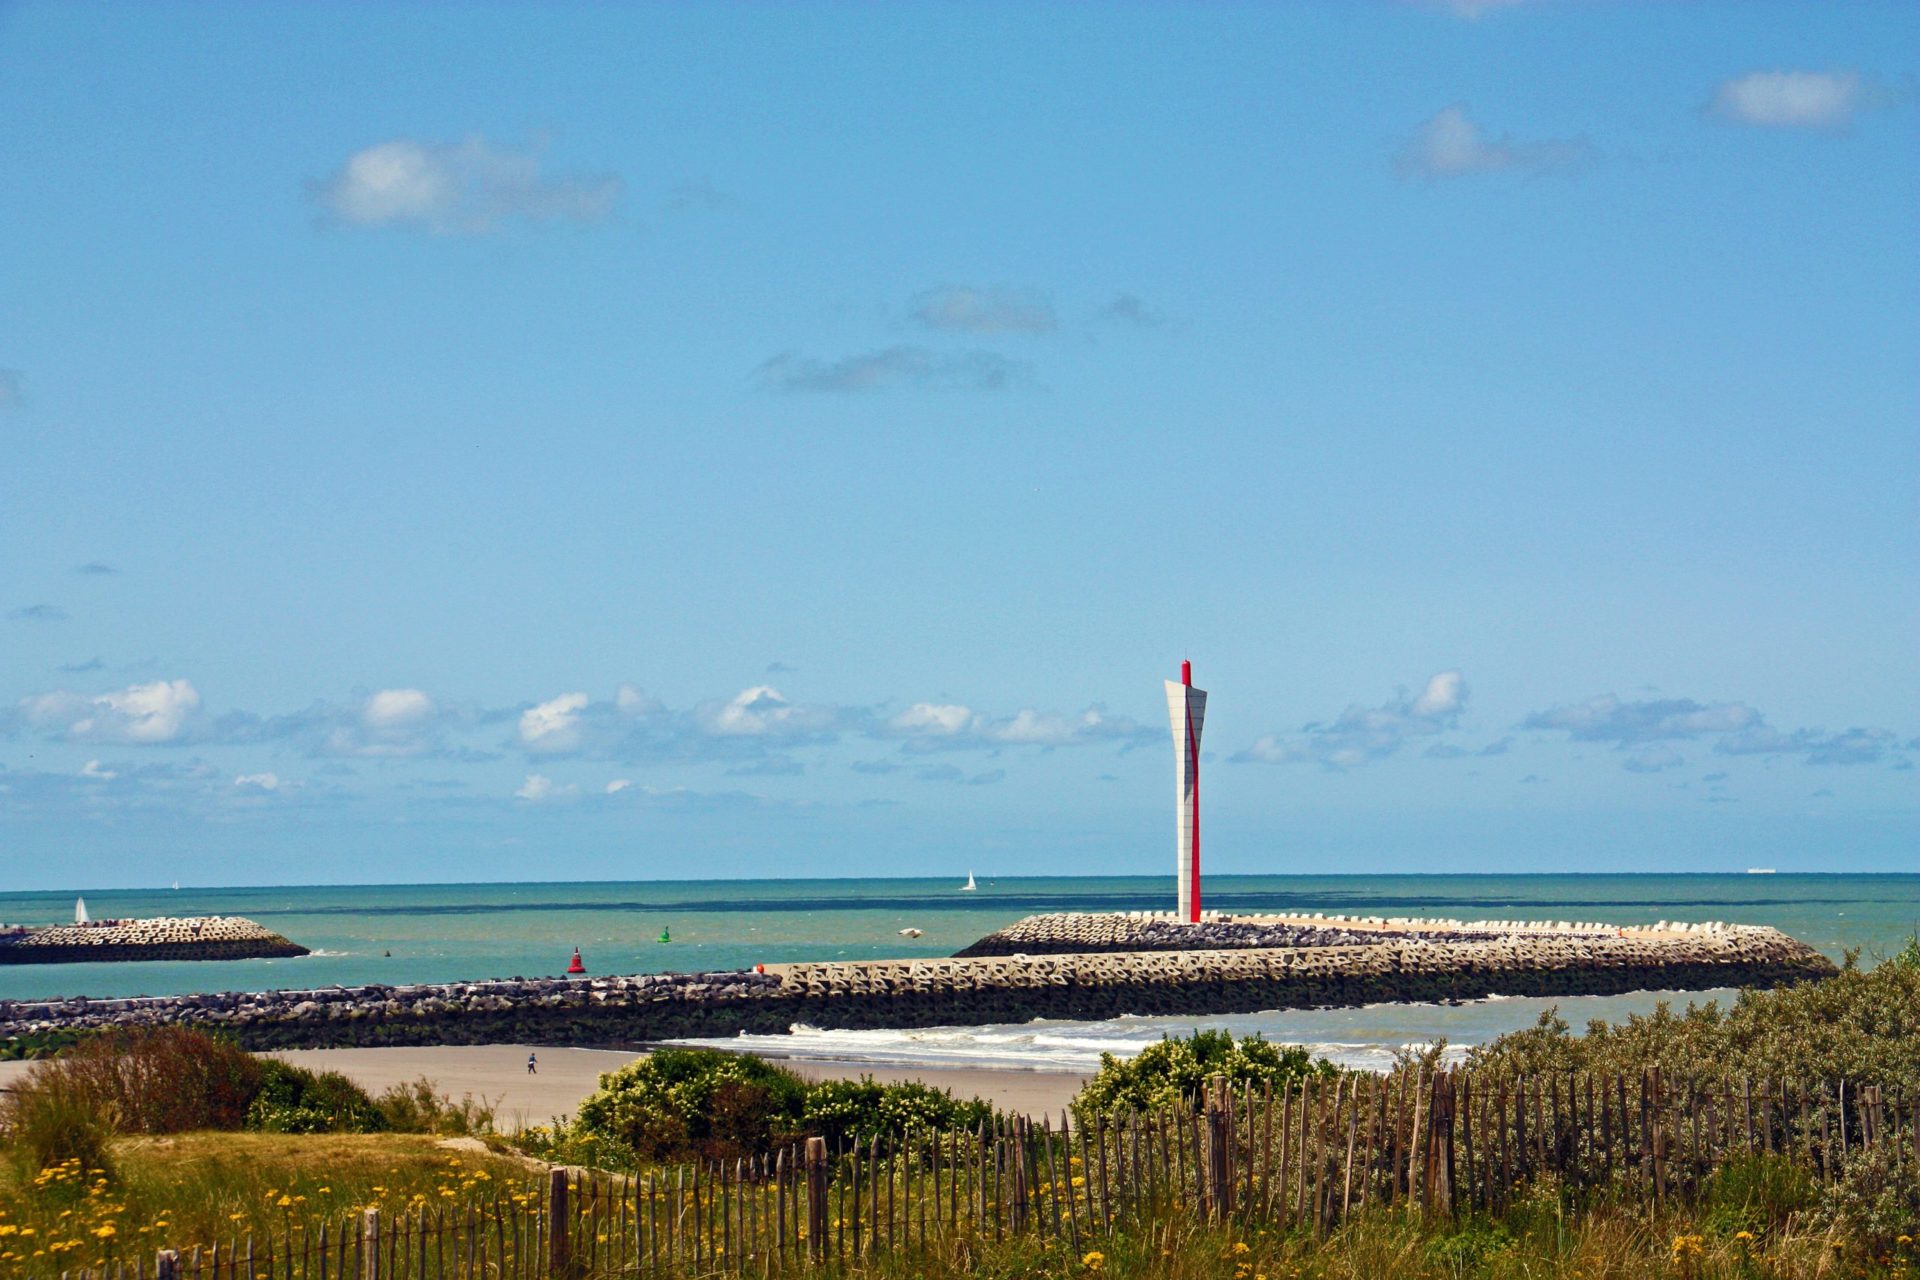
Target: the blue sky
(451, 443)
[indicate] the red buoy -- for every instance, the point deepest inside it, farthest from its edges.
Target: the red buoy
(576, 966)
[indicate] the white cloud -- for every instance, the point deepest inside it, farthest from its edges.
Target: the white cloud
(931, 726)
(944, 720)
(458, 188)
(553, 727)
(259, 781)
(92, 769)
(618, 785)
(763, 711)
(960, 309)
(396, 708)
(1442, 696)
(1608, 719)
(892, 368)
(1363, 734)
(539, 786)
(1741, 730)
(147, 714)
(1789, 99)
(1043, 729)
(1653, 760)
(1452, 145)
(633, 701)
(390, 722)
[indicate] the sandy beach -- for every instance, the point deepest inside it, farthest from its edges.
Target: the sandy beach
(565, 1076)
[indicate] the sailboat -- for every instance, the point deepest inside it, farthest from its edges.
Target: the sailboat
(80, 911)
(969, 886)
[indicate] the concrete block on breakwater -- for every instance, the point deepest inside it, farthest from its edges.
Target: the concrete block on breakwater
(1396, 961)
(160, 938)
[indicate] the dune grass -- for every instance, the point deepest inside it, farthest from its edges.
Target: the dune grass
(185, 1190)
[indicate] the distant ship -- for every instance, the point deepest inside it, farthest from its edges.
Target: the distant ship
(969, 886)
(1760, 871)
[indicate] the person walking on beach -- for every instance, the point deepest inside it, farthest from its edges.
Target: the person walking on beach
(533, 1064)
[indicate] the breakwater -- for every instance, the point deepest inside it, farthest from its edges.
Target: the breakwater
(1406, 965)
(163, 938)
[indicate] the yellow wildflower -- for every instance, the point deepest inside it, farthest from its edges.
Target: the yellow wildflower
(1240, 1246)
(105, 1231)
(1094, 1260)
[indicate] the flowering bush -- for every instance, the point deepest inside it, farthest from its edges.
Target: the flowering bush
(865, 1109)
(1176, 1071)
(680, 1102)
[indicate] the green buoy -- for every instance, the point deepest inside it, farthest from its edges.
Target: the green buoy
(666, 936)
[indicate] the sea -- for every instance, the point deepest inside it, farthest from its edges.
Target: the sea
(452, 932)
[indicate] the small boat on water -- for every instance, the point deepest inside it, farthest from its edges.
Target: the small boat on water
(969, 886)
(911, 932)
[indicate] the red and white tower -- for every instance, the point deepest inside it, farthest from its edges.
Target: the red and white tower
(1187, 708)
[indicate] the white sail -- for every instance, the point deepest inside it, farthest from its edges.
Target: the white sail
(80, 911)
(969, 886)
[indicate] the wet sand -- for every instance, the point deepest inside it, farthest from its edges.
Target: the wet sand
(498, 1073)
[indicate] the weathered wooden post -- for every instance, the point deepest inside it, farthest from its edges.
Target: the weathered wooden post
(559, 1251)
(369, 1245)
(1217, 1194)
(817, 1199)
(1017, 1192)
(165, 1265)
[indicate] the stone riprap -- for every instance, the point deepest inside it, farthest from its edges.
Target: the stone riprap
(1070, 932)
(1415, 960)
(1062, 933)
(163, 938)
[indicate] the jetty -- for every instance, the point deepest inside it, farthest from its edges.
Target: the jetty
(1226, 967)
(159, 938)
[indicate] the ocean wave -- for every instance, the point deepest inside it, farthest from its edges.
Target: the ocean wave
(1370, 1038)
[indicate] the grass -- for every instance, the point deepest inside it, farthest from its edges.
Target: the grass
(1612, 1243)
(182, 1190)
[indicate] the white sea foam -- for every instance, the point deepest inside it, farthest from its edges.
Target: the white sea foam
(1367, 1038)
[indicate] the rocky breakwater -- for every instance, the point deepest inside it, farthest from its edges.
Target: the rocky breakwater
(1061, 933)
(1418, 961)
(163, 938)
(1426, 964)
(613, 1012)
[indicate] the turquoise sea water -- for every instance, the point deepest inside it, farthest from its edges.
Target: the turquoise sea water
(437, 933)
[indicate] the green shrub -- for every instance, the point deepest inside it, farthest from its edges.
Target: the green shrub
(1176, 1071)
(163, 1079)
(1465, 1250)
(862, 1110)
(419, 1107)
(1875, 1199)
(294, 1100)
(701, 1102)
(720, 1105)
(1756, 1194)
(57, 1131)
(1858, 1025)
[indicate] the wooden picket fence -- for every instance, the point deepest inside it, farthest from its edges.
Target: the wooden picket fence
(1305, 1158)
